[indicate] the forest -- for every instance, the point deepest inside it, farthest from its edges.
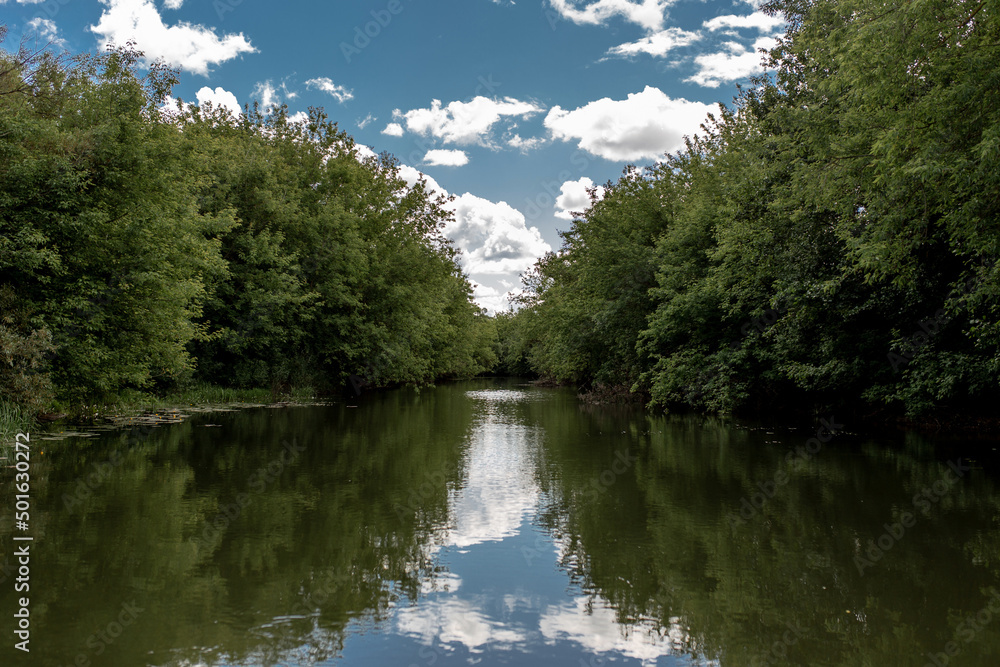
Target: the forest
(829, 240)
(149, 246)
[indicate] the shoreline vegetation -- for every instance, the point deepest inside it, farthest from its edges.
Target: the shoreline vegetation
(149, 247)
(828, 244)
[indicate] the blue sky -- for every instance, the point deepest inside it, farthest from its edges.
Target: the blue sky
(512, 107)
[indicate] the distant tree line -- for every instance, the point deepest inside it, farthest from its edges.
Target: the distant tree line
(830, 238)
(144, 246)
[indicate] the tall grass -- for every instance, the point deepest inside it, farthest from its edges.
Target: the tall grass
(13, 420)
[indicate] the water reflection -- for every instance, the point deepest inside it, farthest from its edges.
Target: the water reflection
(499, 488)
(492, 523)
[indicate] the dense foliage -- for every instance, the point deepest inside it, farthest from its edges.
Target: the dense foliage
(832, 237)
(145, 245)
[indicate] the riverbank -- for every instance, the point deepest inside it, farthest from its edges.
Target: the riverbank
(133, 404)
(863, 416)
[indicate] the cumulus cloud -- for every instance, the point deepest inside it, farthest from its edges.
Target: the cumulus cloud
(493, 299)
(457, 621)
(327, 85)
(644, 126)
(496, 244)
(393, 130)
(647, 13)
(593, 625)
(188, 46)
(758, 20)
(219, 98)
(734, 63)
(266, 94)
(411, 175)
(47, 30)
(270, 95)
(465, 122)
(658, 44)
(493, 236)
(573, 196)
(446, 158)
(363, 152)
(525, 145)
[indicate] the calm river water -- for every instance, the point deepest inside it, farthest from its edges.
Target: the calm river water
(494, 523)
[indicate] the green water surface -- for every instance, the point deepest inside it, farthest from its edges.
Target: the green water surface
(494, 523)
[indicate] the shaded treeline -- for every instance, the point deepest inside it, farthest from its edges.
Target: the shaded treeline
(830, 238)
(149, 246)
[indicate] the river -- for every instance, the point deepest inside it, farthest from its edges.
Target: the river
(491, 522)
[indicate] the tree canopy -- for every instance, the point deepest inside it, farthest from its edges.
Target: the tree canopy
(146, 243)
(830, 238)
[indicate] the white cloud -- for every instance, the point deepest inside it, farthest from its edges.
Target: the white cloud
(465, 122)
(364, 152)
(736, 62)
(573, 196)
(299, 117)
(758, 20)
(658, 44)
(644, 126)
(327, 85)
(173, 4)
(266, 94)
(270, 95)
(185, 45)
(456, 621)
(491, 298)
(647, 13)
(411, 175)
(525, 145)
(46, 29)
(219, 98)
(499, 490)
(493, 236)
(496, 248)
(446, 158)
(393, 130)
(363, 123)
(593, 625)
